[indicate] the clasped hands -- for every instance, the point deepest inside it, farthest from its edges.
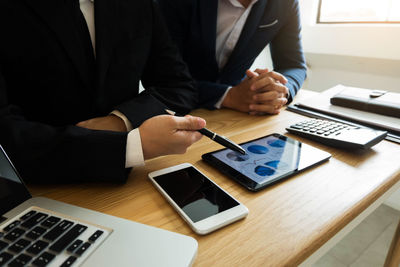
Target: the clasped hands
(261, 92)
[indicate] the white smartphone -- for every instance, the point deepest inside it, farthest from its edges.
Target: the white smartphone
(202, 203)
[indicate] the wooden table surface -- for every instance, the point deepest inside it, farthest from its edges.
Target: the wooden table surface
(287, 222)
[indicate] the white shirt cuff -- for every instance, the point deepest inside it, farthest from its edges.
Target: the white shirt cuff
(128, 124)
(134, 151)
(219, 103)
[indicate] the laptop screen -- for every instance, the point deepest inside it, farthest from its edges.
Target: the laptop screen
(12, 190)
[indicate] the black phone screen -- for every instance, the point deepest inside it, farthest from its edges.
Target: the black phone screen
(195, 194)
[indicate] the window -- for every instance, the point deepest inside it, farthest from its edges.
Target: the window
(359, 11)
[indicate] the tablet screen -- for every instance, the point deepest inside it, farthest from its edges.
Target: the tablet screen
(268, 159)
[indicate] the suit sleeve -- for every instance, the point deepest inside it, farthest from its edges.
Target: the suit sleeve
(287, 52)
(47, 154)
(166, 78)
(210, 93)
(177, 16)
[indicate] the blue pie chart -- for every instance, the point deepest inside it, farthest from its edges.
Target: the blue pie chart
(276, 143)
(264, 171)
(257, 149)
(235, 156)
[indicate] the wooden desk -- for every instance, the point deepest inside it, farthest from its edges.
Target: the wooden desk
(287, 222)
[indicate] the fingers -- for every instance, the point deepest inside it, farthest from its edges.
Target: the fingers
(189, 123)
(269, 84)
(188, 137)
(262, 81)
(261, 71)
(166, 134)
(279, 77)
(250, 74)
(276, 75)
(186, 133)
(268, 96)
(266, 78)
(271, 107)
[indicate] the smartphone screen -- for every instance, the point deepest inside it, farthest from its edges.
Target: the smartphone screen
(195, 194)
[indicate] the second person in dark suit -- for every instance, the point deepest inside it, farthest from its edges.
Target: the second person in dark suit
(220, 39)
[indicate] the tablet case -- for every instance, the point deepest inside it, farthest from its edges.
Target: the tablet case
(375, 101)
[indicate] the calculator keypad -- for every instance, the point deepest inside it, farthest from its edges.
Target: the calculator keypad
(321, 127)
(337, 134)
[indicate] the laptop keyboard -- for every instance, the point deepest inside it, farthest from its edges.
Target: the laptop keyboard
(39, 237)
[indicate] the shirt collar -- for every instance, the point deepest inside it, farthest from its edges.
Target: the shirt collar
(236, 3)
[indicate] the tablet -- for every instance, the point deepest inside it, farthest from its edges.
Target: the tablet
(268, 160)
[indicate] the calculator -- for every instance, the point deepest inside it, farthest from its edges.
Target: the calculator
(337, 134)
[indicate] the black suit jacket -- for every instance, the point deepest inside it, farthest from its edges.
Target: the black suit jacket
(193, 23)
(45, 88)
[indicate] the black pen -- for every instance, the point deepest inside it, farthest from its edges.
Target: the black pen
(222, 140)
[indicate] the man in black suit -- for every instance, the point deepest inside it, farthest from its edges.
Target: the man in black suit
(70, 107)
(220, 39)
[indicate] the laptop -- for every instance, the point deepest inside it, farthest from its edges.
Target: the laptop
(36, 231)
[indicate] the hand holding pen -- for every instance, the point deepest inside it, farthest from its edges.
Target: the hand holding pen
(164, 134)
(222, 140)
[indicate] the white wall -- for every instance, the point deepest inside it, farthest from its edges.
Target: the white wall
(326, 71)
(363, 55)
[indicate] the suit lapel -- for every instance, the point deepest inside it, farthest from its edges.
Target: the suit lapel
(56, 15)
(248, 31)
(208, 17)
(105, 16)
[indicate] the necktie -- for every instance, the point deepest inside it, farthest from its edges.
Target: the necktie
(83, 34)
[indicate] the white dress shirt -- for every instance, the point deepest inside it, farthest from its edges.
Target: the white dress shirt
(231, 18)
(134, 152)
